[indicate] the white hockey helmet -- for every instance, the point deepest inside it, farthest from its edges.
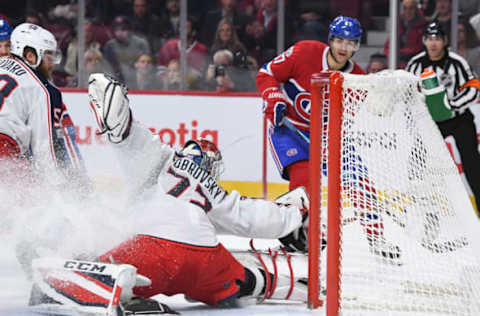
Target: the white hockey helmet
(39, 39)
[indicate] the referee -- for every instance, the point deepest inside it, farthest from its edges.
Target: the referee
(455, 75)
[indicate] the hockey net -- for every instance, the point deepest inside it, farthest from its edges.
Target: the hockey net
(400, 223)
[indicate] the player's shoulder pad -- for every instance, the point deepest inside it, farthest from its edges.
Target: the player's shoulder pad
(310, 45)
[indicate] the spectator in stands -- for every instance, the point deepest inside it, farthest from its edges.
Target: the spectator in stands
(410, 32)
(146, 24)
(469, 45)
(221, 76)
(34, 18)
(226, 38)
(377, 62)
(63, 14)
(5, 33)
(145, 74)
(469, 8)
(122, 50)
(475, 22)
(103, 12)
(255, 42)
(427, 7)
(196, 51)
(170, 20)
(90, 43)
(171, 81)
(267, 16)
(94, 62)
(247, 7)
(227, 11)
(443, 14)
(310, 26)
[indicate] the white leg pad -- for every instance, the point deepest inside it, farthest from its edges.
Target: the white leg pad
(286, 286)
(71, 286)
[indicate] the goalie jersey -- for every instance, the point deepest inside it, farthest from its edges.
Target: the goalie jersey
(292, 71)
(33, 114)
(176, 190)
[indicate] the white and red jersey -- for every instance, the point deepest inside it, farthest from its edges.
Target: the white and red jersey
(33, 114)
(292, 71)
(182, 202)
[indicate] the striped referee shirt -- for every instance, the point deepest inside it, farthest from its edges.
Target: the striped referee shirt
(453, 72)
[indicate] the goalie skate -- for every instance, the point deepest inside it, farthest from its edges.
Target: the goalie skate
(109, 102)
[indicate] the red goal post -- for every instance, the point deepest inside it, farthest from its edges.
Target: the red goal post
(401, 228)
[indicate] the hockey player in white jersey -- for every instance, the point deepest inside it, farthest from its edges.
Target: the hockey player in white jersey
(35, 127)
(178, 250)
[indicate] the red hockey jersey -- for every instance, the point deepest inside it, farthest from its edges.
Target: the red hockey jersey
(292, 70)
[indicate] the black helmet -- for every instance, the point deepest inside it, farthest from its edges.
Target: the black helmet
(434, 28)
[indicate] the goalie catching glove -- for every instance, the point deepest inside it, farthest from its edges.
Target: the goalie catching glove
(296, 241)
(274, 105)
(109, 102)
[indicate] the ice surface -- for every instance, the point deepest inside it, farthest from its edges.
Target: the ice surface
(65, 225)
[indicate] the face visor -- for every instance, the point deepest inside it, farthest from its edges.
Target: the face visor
(52, 56)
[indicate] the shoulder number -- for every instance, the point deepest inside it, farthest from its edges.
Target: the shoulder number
(7, 85)
(283, 56)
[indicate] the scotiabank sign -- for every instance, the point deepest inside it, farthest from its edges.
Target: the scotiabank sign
(234, 123)
(88, 135)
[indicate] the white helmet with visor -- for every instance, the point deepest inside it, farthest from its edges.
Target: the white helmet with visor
(39, 39)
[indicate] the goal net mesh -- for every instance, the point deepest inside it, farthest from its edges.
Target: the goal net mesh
(407, 233)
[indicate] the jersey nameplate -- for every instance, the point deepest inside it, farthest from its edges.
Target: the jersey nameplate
(201, 175)
(11, 66)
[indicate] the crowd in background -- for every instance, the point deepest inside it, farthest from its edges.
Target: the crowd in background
(227, 40)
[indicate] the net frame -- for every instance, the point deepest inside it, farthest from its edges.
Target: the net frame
(327, 105)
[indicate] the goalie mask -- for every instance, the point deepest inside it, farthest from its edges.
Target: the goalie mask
(205, 154)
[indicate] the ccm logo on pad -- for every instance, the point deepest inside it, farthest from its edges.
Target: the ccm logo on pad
(84, 266)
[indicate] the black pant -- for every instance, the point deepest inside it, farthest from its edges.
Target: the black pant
(462, 128)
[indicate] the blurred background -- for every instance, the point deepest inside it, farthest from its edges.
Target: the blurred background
(218, 45)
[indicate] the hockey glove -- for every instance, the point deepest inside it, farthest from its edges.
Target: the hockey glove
(109, 102)
(274, 105)
(296, 241)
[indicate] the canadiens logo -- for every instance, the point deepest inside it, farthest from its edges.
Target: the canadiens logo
(302, 105)
(292, 152)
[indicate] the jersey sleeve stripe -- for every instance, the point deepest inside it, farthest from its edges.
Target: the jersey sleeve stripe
(266, 69)
(50, 136)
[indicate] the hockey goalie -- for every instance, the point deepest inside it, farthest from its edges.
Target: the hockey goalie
(181, 209)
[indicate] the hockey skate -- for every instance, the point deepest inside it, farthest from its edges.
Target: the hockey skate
(109, 102)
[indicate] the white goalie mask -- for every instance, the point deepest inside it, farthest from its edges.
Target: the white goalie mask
(205, 154)
(39, 39)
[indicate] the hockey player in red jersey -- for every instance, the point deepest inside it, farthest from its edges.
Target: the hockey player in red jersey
(284, 84)
(181, 209)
